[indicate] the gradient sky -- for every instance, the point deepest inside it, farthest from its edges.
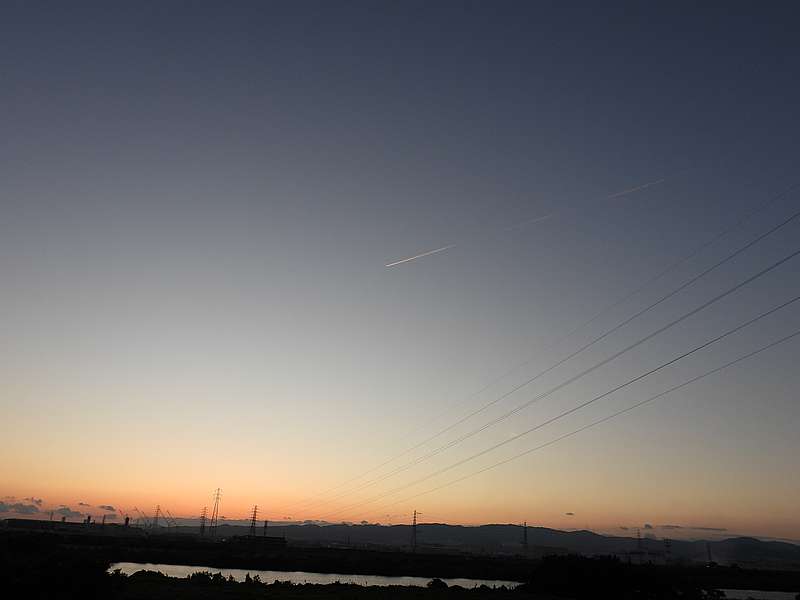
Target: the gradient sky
(198, 200)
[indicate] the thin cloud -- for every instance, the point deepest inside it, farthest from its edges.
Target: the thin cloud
(66, 511)
(19, 508)
(36, 501)
(107, 507)
(691, 528)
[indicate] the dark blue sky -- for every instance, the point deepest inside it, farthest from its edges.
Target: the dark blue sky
(198, 201)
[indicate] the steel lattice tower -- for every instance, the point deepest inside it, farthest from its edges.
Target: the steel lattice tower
(525, 536)
(253, 521)
(414, 532)
(203, 516)
(215, 512)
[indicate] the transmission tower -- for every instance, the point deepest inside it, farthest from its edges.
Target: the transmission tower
(253, 521)
(525, 536)
(414, 531)
(154, 523)
(711, 562)
(203, 516)
(266, 523)
(639, 548)
(215, 512)
(142, 517)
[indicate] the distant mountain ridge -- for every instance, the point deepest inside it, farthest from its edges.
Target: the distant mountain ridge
(498, 538)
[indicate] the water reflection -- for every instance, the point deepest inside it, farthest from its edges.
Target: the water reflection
(182, 571)
(758, 595)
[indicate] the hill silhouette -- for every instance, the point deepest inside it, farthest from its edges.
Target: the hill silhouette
(507, 539)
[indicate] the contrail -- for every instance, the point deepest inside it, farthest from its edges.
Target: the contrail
(428, 253)
(636, 189)
(443, 248)
(527, 222)
(632, 190)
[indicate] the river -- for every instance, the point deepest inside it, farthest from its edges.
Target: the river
(130, 568)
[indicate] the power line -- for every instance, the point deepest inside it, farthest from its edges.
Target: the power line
(604, 419)
(685, 259)
(473, 432)
(440, 449)
(743, 218)
(588, 402)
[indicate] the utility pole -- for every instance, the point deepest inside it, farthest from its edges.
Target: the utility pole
(266, 523)
(203, 516)
(215, 512)
(667, 550)
(253, 521)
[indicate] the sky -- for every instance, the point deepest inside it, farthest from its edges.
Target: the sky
(199, 201)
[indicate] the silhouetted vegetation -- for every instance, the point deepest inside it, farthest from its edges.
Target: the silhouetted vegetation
(606, 577)
(33, 567)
